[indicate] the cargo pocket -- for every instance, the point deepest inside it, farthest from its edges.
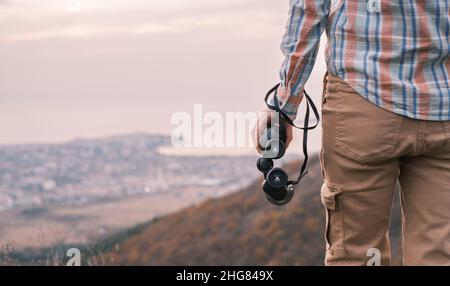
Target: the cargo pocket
(334, 231)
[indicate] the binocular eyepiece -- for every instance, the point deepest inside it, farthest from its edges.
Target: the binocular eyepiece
(276, 185)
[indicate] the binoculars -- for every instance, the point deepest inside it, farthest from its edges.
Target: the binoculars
(276, 185)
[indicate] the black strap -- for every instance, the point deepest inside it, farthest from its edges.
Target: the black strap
(309, 105)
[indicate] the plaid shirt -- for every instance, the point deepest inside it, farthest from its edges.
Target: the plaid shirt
(394, 53)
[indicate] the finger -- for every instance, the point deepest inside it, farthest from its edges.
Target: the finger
(260, 126)
(265, 118)
(256, 138)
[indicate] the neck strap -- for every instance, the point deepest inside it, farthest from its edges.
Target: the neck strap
(309, 105)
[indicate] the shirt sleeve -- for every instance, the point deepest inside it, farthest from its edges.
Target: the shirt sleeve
(307, 21)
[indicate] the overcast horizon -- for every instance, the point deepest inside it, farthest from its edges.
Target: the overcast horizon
(88, 69)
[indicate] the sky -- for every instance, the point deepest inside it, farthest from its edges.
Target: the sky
(94, 68)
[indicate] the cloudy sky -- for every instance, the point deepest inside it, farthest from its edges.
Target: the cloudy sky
(92, 68)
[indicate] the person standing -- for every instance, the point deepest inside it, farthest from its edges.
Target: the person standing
(386, 118)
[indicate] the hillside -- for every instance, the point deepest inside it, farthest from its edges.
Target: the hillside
(240, 229)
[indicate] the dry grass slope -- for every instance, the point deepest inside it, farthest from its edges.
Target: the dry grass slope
(240, 229)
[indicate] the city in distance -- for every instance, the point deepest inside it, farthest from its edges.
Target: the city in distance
(85, 190)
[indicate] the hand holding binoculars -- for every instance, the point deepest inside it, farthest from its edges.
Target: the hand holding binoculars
(273, 146)
(277, 187)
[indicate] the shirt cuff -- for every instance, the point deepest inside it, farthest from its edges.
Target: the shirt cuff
(289, 102)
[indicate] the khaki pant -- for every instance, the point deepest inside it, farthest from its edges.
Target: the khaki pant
(366, 150)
